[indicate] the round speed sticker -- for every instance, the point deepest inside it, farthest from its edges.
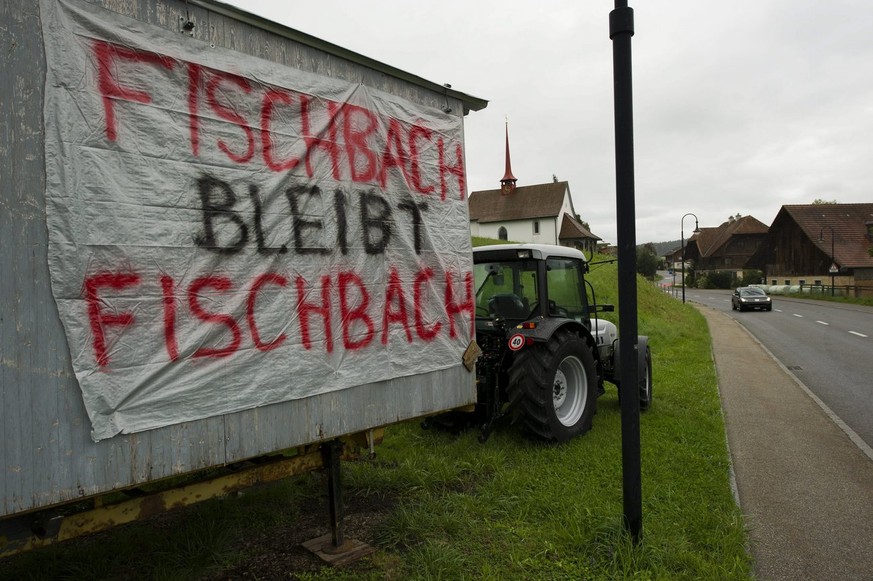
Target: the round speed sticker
(516, 342)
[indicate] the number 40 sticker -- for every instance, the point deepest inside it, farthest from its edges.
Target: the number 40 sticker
(516, 342)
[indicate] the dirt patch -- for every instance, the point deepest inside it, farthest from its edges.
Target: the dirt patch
(278, 553)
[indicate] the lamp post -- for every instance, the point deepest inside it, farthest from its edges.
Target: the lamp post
(621, 29)
(833, 269)
(682, 244)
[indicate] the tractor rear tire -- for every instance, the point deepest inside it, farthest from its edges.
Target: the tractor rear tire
(553, 387)
(646, 382)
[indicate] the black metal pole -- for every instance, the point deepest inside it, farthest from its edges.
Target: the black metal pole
(682, 244)
(621, 29)
(833, 258)
(331, 452)
(833, 261)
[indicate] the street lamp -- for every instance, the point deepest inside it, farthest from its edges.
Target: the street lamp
(833, 269)
(682, 244)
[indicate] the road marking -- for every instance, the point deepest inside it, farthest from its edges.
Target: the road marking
(858, 440)
(798, 316)
(822, 323)
(778, 310)
(858, 334)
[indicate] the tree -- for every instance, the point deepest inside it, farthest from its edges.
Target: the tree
(819, 202)
(647, 261)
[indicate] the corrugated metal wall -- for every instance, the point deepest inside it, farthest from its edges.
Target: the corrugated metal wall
(46, 455)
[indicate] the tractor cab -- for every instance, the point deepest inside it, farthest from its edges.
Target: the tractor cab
(517, 283)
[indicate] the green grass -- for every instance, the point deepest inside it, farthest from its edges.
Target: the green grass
(824, 296)
(511, 508)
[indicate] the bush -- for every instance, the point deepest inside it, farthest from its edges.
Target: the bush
(716, 279)
(751, 277)
(647, 262)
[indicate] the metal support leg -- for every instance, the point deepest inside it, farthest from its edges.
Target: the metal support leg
(333, 547)
(331, 452)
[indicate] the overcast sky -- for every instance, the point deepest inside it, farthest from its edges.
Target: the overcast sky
(739, 107)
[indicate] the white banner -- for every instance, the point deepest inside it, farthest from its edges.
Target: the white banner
(227, 232)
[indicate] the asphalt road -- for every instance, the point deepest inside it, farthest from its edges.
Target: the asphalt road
(804, 487)
(827, 346)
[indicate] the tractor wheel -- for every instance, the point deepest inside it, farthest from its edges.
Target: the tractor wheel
(646, 383)
(553, 387)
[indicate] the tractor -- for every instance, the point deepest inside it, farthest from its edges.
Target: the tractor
(545, 351)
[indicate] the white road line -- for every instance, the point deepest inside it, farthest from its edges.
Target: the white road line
(862, 445)
(778, 310)
(798, 316)
(858, 334)
(822, 323)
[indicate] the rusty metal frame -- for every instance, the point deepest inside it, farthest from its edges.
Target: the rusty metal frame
(42, 528)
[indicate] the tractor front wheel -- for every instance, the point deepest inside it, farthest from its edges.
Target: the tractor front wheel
(553, 387)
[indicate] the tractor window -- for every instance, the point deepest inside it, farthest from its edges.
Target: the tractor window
(566, 288)
(506, 289)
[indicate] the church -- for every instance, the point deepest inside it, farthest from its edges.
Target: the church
(540, 213)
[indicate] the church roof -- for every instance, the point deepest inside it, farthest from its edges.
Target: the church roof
(573, 229)
(526, 202)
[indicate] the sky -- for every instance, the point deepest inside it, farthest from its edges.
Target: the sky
(740, 107)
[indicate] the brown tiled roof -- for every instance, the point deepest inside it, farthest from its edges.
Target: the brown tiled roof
(849, 223)
(675, 254)
(711, 240)
(573, 229)
(538, 201)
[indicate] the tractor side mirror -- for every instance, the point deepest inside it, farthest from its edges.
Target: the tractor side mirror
(604, 308)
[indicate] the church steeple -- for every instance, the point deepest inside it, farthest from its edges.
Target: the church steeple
(507, 183)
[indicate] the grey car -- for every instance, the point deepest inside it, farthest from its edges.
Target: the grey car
(751, 297)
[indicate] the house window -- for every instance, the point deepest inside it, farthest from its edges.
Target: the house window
(817, 282)
(774, 282)
(787, 281)
(536, 226)
(501, 233)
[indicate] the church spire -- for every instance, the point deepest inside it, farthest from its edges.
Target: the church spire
(507, 183)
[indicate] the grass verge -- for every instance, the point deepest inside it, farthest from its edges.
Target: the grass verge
(443, 506)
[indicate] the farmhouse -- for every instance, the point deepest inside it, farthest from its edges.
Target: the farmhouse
(728, 246)
(818, 245)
